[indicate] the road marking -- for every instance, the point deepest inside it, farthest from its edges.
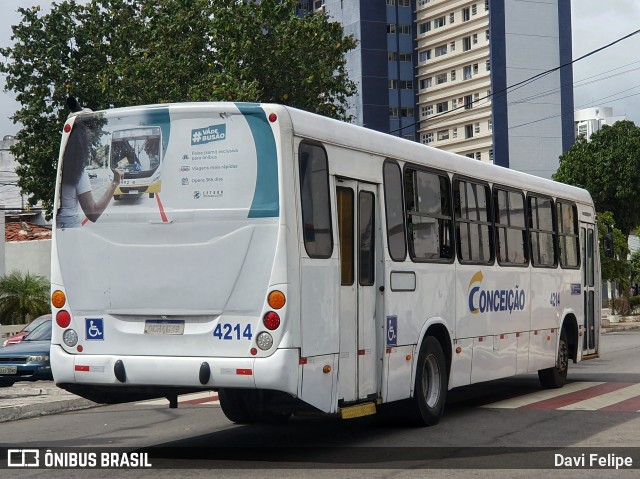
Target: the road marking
(205, 398)
(605, 400)
(579, 396)
(538, 396)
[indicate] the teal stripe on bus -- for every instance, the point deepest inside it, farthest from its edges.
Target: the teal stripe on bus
(265, 198)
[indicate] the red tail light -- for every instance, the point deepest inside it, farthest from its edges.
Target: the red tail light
(63, 318)
(271, 320)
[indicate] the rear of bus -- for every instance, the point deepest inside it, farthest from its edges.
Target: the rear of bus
(186, 289)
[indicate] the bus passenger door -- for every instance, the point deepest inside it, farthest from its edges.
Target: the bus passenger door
(591, 302)
(357, 224)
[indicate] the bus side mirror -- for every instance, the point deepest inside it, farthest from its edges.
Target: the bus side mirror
(608, 245)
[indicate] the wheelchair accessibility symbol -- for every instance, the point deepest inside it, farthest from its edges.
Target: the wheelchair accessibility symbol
(392, 330)
(94, 329)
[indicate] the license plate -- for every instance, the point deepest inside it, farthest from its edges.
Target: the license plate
(8, 369)
(164, 327)
(132, 192)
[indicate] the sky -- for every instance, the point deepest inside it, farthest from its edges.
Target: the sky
(608, 78)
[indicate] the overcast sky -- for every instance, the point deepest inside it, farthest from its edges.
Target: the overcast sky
(608, 78)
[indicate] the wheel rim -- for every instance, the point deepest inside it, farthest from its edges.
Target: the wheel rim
(431, 381)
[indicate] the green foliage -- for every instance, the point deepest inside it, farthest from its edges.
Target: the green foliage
(617, 268)
(23, 297)
(608, 166)
(634, 264)
(112, 53)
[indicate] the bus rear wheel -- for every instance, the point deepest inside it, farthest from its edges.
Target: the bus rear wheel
(430, 391)
(556, 377)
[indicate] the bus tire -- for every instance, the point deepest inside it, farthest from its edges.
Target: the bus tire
(151, 195)
(235, 406)
(430, 391)
(556, 377)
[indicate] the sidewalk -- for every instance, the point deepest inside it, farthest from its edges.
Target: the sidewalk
(621, 323)
(26, 400)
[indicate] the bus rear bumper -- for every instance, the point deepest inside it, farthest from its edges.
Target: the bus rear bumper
(279, 372)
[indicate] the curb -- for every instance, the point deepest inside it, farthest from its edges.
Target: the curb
(26, 411)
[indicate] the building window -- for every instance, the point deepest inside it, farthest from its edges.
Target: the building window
(488, 65)
(465, 15)
(452, 46)
(424, 2)
(439, 22)
(424, 27)
(454, 103)
(404, 29)
(491, 156)
(490, 126)
(440, 79)
(405, 57)
(393, 84)
(486, 5)
(486, 33)
(474, 9)
(466, 44)
(454, 132)
(424, 55)
(443, 135)
(453, 75)
(441, 50)
(425, 83)
(427, 138)
(474, 38)
(468, 102)
(476, 127)
(392, 56)
(404, 3)
(442, 107)
(406, 112)
(391, 2)
(478, 156)
(406, 84)
(475, 68)
(466, 73)
(476, 97)
(470, 155)
(393, 111)
(468, 132)
(451, 17)
(426, 110)
(391, 28)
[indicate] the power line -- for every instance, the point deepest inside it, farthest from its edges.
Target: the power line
(523, 83)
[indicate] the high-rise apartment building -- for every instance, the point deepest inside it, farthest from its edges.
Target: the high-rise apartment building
(477, 77)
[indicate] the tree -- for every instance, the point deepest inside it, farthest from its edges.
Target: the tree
(617, 268)
(112, 53)
(23, 297)
(608, 166)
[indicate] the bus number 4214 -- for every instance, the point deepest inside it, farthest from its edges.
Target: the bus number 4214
(229, 331)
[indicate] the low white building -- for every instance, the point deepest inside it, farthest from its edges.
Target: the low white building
(589, 120)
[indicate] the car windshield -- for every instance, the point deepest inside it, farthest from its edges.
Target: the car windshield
(36, 322)
(40, 333)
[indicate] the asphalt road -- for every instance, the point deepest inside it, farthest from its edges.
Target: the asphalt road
(488, 430)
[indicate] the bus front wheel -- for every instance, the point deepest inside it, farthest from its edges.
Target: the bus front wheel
(431, 383)
(556, 377)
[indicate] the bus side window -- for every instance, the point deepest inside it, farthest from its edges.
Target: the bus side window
(315, 199)
(542, 232)
(428, 206)
(394, 211)
(567, 214)
(474, 228)
(511, 229)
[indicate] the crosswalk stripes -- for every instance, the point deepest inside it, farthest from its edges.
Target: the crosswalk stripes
(205, 398)
(579, 396)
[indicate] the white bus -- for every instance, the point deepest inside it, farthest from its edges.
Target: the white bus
(299, 263)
